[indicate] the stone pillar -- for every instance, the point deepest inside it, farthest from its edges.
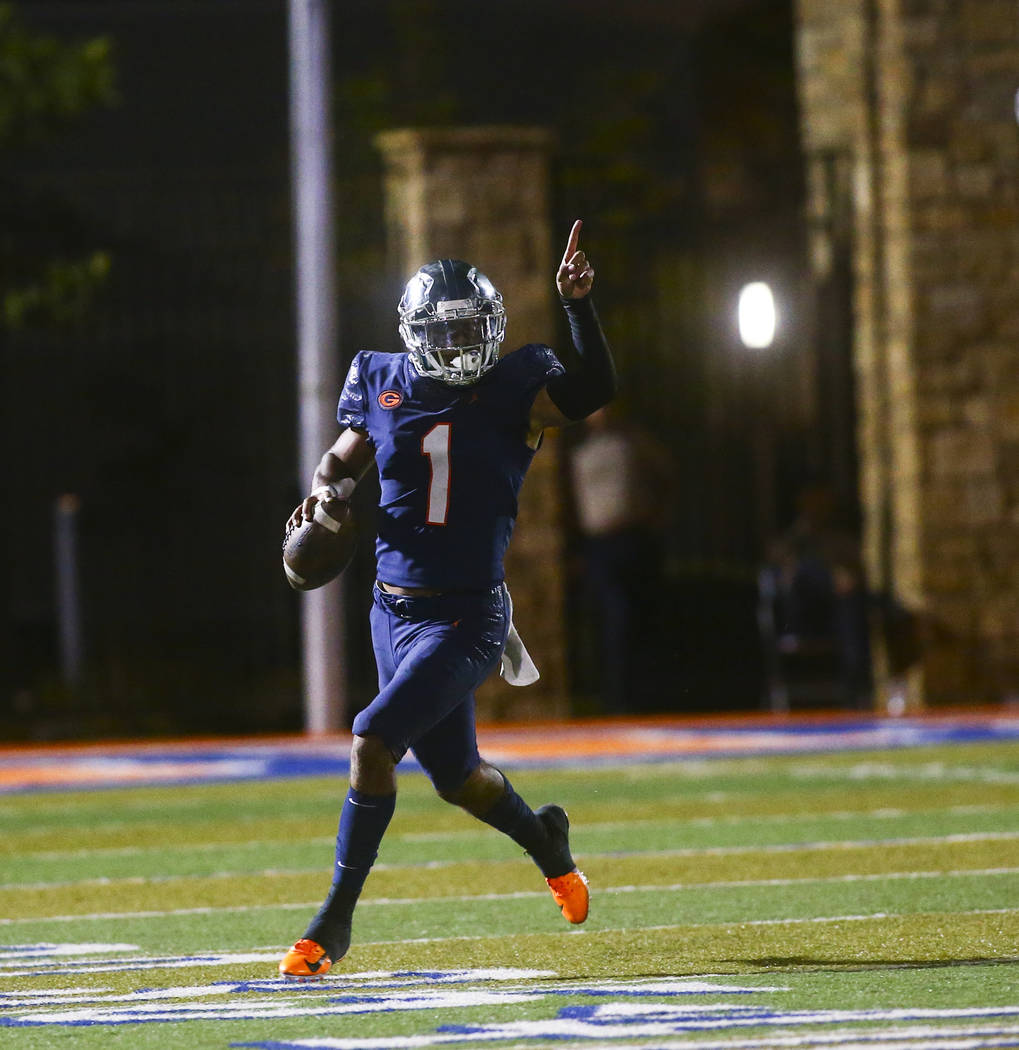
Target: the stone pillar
(913, 102)
(482, 194)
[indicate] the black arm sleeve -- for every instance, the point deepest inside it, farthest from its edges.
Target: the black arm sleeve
(591, 381)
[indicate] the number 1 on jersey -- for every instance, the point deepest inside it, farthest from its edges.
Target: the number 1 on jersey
(435, 445)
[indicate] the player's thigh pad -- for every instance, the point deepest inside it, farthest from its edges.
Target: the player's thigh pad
(448, 752)
(432, 653)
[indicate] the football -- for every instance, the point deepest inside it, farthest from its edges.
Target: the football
(318, 551)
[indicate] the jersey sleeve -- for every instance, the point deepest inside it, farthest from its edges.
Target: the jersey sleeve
(531, 367)
(351, 409)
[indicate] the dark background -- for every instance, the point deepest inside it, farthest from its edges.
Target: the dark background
(167, 403)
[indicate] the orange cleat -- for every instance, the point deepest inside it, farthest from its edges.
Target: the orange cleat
(569, 891)
(306, 959)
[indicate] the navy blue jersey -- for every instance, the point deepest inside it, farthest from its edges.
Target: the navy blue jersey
(451, 462)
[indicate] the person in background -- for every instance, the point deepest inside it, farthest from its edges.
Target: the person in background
(813, 595)
(622, 480)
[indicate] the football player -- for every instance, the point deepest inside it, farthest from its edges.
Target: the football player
(452, 428)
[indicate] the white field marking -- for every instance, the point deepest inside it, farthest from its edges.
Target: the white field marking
(712, 851)
(821, 845)
(582, 931)
(135, 962)
(279, 998)
(879, 813)
(87, 801)
(807, 765)
(274, 873)
(169, 913)
(455, 899)
(175, 848)
(736, 819)
(615, 1020)
(525, 895)
(729, 820)
(50, 997)
(928, 771)
(20, 951)
(630, 1015)
(270, 1009)
(146, 825)
(370, 981)
(271, 955)
(80, 996)
(664, 985)
(159, 880)
(374, 980)
(674, 887)
(602, 1020)
(916, 1037)
(919, 1037)
(730, 884)
(621, 1020)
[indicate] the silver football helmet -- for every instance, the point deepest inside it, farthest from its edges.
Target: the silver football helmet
(452, 321)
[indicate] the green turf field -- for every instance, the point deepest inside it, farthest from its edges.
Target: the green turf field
(857, 899)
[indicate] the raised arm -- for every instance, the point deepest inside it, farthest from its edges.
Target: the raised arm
(590, 381)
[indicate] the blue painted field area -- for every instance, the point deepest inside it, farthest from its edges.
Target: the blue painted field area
(542, 746)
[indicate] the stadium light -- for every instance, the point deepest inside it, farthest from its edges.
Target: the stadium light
(757, 317)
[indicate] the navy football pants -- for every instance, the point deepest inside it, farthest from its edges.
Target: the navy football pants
(432, 653)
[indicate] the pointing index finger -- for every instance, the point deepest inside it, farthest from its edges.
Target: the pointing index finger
(574, 240)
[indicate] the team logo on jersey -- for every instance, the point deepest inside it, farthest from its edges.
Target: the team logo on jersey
(390, 399)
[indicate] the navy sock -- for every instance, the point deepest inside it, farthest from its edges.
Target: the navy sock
(514, 817)
(363, 822)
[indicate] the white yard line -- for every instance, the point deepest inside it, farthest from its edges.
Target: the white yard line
(877, 813)
(696, 851)
(916, 1037)
(736, 819)
(526, 894)
(273, 873)
(576, 932)
(582, 931)
(268, 873)
(985, 1036)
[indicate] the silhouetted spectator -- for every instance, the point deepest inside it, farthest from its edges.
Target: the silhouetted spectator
(621, 478)
(814, 595)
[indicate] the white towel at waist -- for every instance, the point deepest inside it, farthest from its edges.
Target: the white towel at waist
(517, 666)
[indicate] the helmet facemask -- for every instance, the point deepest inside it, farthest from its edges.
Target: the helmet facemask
(452, 340)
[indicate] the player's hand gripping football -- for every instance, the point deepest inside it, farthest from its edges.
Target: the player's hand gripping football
(575, 275)
(305, 510)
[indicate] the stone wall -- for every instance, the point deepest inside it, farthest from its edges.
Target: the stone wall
(910, 135)
(482, 194)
